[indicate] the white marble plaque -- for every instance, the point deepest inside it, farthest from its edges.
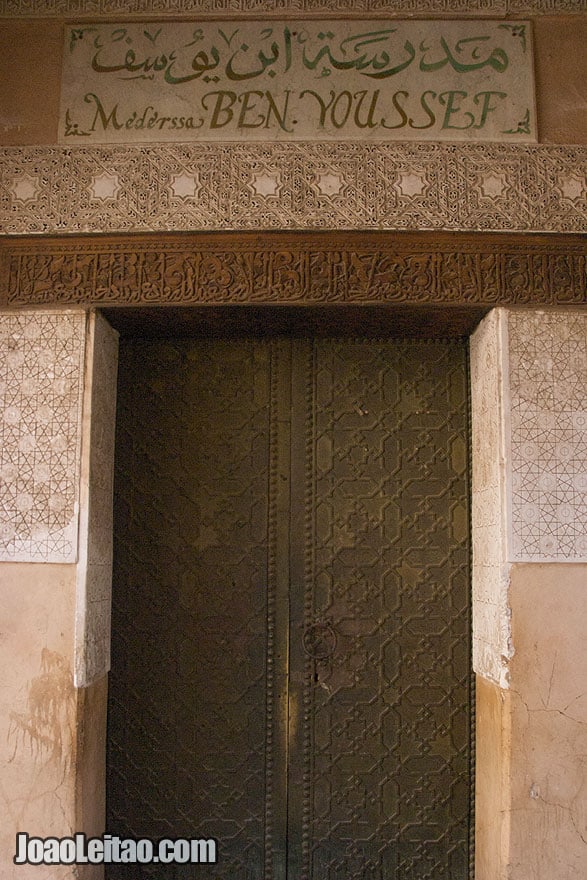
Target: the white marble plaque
(286, 81)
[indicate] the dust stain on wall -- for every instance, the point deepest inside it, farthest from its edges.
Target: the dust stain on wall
(47, 727)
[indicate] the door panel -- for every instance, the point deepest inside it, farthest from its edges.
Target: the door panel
(191, 671)
(382, 577)
(291, 615)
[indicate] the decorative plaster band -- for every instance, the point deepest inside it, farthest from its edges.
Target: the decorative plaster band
(160, 8)
(461, 270)
(480, 187)
(41, 385)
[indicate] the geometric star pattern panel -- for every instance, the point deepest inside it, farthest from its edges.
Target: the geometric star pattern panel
(548, 436)
(41, 385)
(175, 187)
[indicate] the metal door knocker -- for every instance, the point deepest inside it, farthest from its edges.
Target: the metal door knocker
(319, 640)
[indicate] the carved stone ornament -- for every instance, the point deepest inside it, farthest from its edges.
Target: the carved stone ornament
(182, 187)
(294, 268)
(432, 8)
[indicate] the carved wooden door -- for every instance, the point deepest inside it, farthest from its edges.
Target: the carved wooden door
(291, 617)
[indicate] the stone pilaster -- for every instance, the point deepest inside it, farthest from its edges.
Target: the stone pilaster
(529, 378)
(57, 399)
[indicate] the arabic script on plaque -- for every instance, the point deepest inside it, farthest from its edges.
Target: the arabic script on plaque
(283, 81)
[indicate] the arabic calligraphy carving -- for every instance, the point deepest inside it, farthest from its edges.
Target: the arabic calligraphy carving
(292, 269)
(135, 8)
(543, 188)
(41, 374)
(368, 80)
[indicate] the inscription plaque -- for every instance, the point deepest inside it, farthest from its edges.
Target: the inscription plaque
(286, 81)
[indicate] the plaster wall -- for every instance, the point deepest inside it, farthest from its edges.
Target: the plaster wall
(531, 802)
(38, 707)
(30, 77)
(548, 723)
(529, 373)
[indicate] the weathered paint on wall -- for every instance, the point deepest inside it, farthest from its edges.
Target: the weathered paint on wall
(56, 617)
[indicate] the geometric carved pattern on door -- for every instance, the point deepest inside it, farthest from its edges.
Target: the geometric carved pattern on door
(188, 739)
(386, 564)
(369, 764)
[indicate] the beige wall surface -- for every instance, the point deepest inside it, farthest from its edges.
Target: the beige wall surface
(492, 767)
(548, 723)
(38, 713)
(531, 782)
(30, 77)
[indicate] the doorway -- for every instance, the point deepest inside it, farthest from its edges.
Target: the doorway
(291, 611)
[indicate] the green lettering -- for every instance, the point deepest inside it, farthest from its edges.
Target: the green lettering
(141, 122)
(400, 110)
(222, 113)
(281, 117)
(105, 120)
(368, 123)
(486, 108)
(345, 110)
(323, 107)
(427, 110)
(451, 110)
(244, 99)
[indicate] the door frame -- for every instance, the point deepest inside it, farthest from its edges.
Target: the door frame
(467, 275)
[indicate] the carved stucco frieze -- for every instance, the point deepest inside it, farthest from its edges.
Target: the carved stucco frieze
(318, 268)
(161, 8)
(180, 187)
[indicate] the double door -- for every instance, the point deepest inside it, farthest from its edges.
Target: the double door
(291, 670)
